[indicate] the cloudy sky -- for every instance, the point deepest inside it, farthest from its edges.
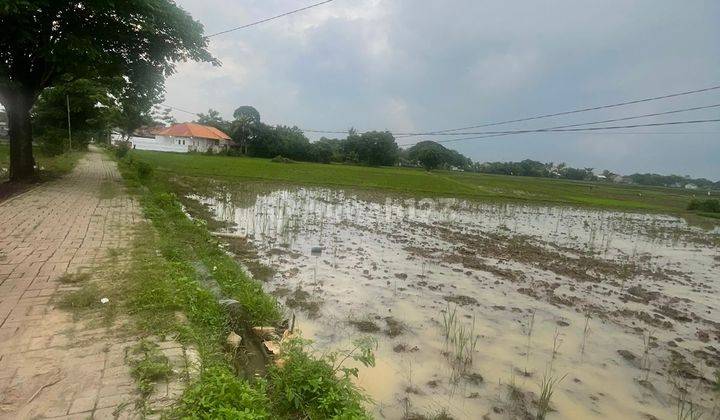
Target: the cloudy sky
(421, 65)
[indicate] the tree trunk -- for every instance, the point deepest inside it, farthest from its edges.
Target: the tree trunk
(22, 164)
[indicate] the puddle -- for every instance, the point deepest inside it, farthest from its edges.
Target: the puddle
(536, 291)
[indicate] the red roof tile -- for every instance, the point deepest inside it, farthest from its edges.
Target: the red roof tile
(194, 130)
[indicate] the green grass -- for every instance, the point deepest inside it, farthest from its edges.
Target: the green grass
(161, 281)
(418, 182)
(50, 166)
(148, 366)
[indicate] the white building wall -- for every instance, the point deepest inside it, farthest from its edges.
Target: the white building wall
(171, 144)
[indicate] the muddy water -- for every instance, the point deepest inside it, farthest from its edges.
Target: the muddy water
(515, 276)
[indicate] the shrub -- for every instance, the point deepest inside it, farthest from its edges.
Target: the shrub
(305, 387)
(281, 159)
(122, 148)
(710, 205)
(221, 395)
(144, 170)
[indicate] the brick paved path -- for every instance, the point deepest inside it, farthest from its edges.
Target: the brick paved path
(50, 364)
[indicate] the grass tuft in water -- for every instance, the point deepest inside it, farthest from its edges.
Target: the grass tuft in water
(547, 389)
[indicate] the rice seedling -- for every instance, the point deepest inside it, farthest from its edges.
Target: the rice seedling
(557, 342)
(686, 407)
(460, 342)
(531, 326)
(547, 389)
(645, 362)
(586, 333)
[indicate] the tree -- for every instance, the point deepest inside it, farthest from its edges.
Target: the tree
(214, 119)
(44, 42)
(445, 157)
(164, 115)
(247, 112)
(91, 110)
(372, 148)
(244, 128)
(429, 159)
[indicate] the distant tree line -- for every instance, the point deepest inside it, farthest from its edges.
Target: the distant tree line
(254, 138)
(673, 181)
(534, 168)
(379, 148)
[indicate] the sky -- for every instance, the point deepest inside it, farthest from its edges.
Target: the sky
(421, 65)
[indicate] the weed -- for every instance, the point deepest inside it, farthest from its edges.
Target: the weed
(76, 278)
(219, 394)
(305, 387)
(109, 190)
(86, 297)
(148, 366)
(547, 389)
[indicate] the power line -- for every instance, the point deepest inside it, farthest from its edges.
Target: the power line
(537, 117)
(179, 109)
(577, 111)
(654, 114)
(268, 19)
(571, 130)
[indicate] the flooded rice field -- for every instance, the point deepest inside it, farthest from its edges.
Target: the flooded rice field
(480, 310)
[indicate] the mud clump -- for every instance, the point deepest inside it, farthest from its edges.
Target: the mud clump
(404, 348)
(627, 355)
(461, 300)
(394, 327)
(365, 326)
(305, 301)
(641, 295)
(473, 378)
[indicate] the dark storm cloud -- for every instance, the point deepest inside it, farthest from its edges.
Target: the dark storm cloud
(421, 65)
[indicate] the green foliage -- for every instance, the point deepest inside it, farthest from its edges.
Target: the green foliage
(708, 206)
(429, 159)
(248, 113)
(86, 297)
(305, 387)
(131, 46)
(91, 110)
(219, 394)
(214, 119)
(534, 168)
(148, 365)
(547, 389)
(144, 170)
(373, 148)
(673, 181)
(122, 148)
(432, 155)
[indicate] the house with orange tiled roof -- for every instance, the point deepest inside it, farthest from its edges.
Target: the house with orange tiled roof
(183, 138)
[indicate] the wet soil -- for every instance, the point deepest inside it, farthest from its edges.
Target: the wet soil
(623, 304)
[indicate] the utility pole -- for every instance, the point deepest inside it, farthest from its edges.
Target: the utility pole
(67, 98)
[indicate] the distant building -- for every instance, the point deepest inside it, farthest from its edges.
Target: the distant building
(181, 138)
(691, 186)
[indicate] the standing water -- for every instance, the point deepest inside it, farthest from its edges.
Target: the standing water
(481, 309)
